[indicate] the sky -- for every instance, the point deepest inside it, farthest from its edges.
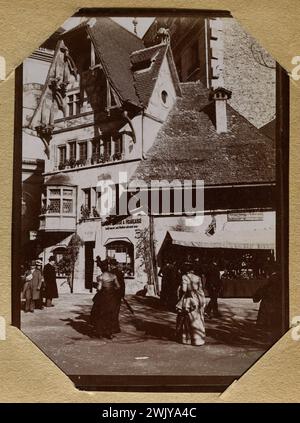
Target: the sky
(142, 25)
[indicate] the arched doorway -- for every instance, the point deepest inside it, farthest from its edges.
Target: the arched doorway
(123, 251)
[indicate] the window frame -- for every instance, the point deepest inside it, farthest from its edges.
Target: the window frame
(61, 196)
(73, 103)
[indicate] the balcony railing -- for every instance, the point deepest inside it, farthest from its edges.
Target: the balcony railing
(51, 222)
(95, 159)
(86, 213)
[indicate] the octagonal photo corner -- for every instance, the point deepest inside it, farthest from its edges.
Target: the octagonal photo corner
(150, 240)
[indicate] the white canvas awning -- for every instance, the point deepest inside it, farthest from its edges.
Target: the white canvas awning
(260, 239)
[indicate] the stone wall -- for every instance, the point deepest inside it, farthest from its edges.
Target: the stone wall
(253, 85)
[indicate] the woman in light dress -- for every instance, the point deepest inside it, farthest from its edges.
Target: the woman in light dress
(190, 327)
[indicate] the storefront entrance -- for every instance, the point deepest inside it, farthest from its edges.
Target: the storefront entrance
(123, 252)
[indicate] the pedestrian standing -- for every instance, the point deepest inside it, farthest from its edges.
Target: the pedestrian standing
(39, 302)
(50, 282)
(190, 327)
(115, 269)
(105, 302)
(32, 286)
(165, 274)
(213, 286)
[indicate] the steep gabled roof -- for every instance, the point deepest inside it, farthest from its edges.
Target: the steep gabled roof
(188, 146)
(145, 78)
(114, 45)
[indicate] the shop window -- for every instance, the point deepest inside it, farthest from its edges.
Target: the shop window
(123, 252)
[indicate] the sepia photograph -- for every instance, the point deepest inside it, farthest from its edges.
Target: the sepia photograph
(151, 192)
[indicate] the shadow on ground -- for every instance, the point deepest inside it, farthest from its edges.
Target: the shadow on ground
(152, 321)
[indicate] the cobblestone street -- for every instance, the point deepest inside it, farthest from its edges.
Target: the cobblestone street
(146, 345)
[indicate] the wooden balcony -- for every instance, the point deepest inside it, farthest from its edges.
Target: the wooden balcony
(54, 222)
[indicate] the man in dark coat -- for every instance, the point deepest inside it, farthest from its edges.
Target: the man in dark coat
(115, 269)
(213, 286)
(32, 287)
(50, 282)
(166, 275)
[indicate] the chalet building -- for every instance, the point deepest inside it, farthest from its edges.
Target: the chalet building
(112, 106)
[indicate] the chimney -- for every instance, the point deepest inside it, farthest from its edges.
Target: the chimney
(220, 96)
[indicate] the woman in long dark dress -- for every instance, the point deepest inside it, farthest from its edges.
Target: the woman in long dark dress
(106, 301)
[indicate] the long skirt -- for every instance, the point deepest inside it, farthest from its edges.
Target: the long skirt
(190, 327)
(104, 311)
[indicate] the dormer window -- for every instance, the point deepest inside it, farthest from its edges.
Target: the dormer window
(139, 66)
(141, 63)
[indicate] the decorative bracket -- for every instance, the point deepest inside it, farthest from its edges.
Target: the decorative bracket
(45, 133)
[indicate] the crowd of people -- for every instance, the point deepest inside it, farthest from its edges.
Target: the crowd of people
(39, 285)
(183, 288)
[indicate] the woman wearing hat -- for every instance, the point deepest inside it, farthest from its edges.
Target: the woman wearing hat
(106, 302)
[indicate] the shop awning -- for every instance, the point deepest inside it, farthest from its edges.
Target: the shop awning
(260, 239)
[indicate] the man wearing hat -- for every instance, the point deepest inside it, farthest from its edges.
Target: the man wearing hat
(32, 287)
(50, 282)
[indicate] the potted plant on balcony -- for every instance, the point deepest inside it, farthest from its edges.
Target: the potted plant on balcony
(117, 156)
(95, 212)
(85, 213)
(101, 158)
(95, 158)
(72, 162)
(61, 166)
(81, 162)
(67, 164)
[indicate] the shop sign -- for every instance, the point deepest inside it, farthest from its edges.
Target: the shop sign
(245, 216)
(129, 223)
